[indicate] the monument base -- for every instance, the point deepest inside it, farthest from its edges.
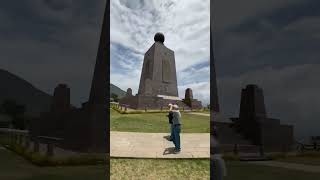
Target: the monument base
(274, 137)
(151, 102)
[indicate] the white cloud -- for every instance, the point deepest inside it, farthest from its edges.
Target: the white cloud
(186, 26)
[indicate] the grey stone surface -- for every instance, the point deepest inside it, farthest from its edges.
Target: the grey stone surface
(158, 76)
(155, 145)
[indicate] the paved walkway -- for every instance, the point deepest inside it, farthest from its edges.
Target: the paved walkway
(293, 166)
(201, 114)
(155, 145)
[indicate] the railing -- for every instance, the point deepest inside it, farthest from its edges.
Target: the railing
(22, 138)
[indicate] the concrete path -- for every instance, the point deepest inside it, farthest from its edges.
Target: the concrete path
(293, 166)
(201, 114)
(155, 145)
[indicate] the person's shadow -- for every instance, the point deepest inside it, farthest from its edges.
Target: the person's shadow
(167, 137)
(169, 150)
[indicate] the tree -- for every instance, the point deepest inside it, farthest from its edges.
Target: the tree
(15, 111)
(115, 97)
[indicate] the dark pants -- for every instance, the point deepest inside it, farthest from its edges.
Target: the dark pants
(176, 136)
(171, 131)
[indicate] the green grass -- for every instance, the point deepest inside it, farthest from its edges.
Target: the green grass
(142, 111)
(308, 158)
(43, 160)
(152, 169)
(157, 122)
(243, 171)
(302, 160)
(14, 167)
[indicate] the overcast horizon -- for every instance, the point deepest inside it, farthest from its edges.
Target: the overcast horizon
(186, 27)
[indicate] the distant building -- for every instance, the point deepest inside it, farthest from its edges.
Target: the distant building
(253, 126)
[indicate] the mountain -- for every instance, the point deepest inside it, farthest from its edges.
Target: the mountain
(18, 89)
(116, 90)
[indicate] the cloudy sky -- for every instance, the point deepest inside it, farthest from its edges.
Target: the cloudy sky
(47, 42)
(186, 26)
(274, 44)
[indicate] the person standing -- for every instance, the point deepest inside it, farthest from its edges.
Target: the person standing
(176, 122)
(170, 116)
(217, 166)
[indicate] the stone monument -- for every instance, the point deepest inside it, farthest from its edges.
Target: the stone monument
(84, 129)
(61, 99)
(188, 100)
(256, 127)
(158, 76)
(158, 82)
(214, 100)
(129, 92)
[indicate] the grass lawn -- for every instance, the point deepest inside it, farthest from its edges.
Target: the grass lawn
(204, 112)
(157, 122)
(302, 160)
(14, 167)
(152, 169)
(243, 171)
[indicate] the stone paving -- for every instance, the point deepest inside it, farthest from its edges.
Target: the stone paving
(156, 145)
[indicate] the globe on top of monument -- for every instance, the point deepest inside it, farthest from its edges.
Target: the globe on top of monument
(158, 81)
(159, 37)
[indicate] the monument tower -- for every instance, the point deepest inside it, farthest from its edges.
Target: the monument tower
(158, 76)
(84, 129)
(158, 81)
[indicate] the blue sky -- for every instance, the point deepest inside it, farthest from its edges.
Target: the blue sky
(186, 26)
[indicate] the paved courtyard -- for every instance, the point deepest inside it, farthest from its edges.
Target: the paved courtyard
(156, 145)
